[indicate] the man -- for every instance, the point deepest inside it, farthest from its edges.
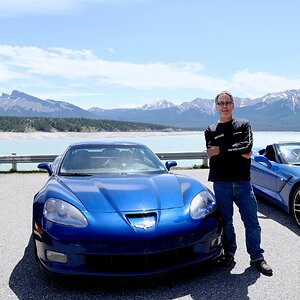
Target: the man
(229, 143)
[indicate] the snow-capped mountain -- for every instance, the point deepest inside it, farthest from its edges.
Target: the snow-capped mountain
(274, 111)
(161, 104)
(204, 105)
(21, 104)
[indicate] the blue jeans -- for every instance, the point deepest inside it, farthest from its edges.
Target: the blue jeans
(242, 194)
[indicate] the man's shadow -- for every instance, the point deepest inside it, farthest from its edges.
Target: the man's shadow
(202, 281)
(226, 285)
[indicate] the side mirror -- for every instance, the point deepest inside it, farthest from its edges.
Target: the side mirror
(170, 163)
(47, 167)
(263, 160)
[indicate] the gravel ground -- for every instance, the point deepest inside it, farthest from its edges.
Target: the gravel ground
(20, 277)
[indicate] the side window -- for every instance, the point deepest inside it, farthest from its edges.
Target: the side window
(55, 163)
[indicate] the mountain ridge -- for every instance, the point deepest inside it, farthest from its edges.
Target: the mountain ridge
(273, 111)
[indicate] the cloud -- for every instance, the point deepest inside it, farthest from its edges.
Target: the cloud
(75, 65)
(47, 7)
(79, 70)
(111, 50)
(256, 84)
(7, 75)
(15, 7)
(65, 94)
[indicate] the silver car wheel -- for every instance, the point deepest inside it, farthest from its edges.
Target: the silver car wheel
(296, 206)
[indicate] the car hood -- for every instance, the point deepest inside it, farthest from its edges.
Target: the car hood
(126, 192)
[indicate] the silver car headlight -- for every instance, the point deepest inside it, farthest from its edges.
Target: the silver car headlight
(202, 204)
(62, 212)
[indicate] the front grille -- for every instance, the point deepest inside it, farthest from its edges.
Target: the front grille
(139, 262)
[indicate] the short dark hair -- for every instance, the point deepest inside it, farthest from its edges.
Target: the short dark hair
(224, 93)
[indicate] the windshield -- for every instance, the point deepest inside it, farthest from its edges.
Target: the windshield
(109, 159)
(290, 153)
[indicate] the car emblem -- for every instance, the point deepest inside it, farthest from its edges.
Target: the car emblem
(144, 226)
(143, 223)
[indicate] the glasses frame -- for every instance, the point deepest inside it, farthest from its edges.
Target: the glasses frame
(224, 103)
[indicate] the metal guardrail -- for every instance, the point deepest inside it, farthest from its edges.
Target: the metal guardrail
(14, 159)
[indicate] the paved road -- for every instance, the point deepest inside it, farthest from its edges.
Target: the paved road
(21, 279)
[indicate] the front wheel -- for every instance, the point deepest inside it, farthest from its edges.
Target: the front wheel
(296, 206)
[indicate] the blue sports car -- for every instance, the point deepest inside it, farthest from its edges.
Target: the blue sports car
(275, 173)
(114, 209)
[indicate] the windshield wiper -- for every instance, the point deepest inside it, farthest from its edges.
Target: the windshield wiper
(75, 174)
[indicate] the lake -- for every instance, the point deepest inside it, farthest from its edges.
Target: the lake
(56, 143)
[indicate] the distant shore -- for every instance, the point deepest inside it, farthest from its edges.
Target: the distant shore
(91, 135)
(105, 134)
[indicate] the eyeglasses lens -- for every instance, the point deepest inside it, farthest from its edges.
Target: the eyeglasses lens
(221, 103)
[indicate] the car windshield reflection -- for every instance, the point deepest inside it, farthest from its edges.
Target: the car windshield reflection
(95, 159)
(290, 153)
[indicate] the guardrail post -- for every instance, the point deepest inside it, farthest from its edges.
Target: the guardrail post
(14, 164)
(205, 162)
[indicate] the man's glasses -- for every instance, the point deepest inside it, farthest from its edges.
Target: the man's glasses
(223, 103)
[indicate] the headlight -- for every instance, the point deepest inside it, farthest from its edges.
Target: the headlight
(61, 212)
(202, 204)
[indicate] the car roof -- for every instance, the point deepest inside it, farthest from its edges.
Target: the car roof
(287, 143)
(105, 143)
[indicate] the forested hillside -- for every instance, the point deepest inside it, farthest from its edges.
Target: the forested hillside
(21, 124)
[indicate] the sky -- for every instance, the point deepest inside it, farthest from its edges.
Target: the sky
(127, 53)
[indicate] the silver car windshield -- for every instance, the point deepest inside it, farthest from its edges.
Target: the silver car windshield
(98, 159)
(290, 153)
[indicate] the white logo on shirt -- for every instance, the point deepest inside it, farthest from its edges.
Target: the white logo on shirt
(219, 136)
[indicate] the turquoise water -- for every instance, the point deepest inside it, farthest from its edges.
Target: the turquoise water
(56, 146)
(164, 143)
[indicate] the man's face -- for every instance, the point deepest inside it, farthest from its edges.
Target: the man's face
(224, 106)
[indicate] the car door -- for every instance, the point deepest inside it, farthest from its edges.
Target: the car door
(264, 176)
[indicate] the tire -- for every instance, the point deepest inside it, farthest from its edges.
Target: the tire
(296, 206)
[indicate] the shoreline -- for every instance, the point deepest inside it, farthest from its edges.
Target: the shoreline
(101, 135)
(86, 135)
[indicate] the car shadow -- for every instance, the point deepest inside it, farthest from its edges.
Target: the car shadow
(273, 212)
(205, 281)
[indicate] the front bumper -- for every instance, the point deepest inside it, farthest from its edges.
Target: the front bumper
(133, 257)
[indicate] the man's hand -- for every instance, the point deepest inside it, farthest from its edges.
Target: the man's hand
(215, 150)
(212, 151)
(247, 155)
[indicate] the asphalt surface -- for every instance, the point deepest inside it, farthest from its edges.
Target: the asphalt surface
(20, 277)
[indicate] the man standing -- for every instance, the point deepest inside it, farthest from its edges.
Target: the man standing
(229, 143)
